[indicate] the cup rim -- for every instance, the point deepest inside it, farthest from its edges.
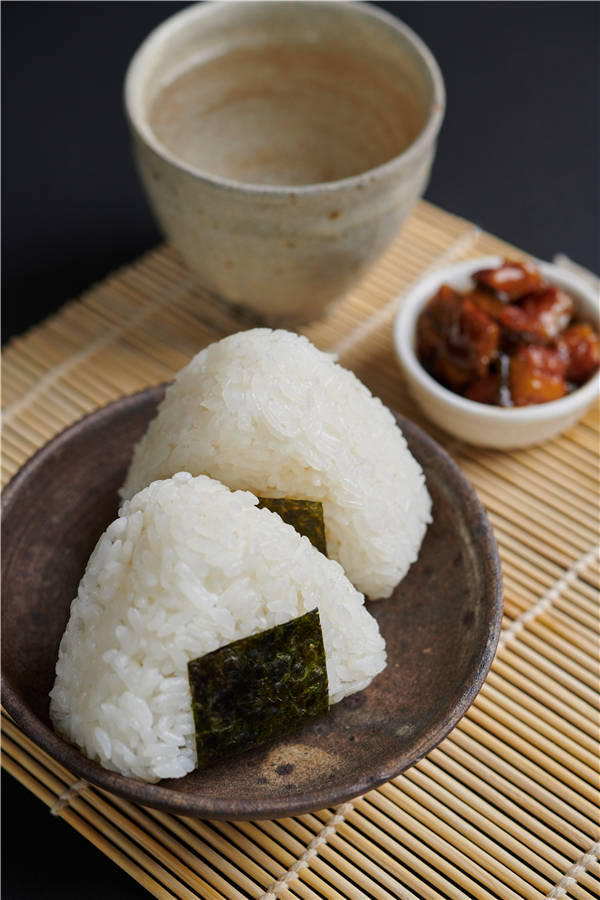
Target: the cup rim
(175, 22)
(420, 293)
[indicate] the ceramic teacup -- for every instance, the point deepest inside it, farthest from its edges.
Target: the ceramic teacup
(282, 144)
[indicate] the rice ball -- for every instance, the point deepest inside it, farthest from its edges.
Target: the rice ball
(265, 411)
(186, 568)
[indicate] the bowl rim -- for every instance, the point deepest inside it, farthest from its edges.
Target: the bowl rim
(164, 30)
(404, 333)
(179, 803)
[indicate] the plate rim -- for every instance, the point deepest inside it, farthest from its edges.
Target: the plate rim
(197, 805)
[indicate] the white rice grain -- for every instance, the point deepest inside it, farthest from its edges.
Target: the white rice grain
(265, 411)
(220, 569)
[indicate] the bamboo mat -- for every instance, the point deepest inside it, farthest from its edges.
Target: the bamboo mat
(507, 806)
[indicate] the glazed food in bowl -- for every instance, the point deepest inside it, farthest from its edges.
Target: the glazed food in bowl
(519, 390)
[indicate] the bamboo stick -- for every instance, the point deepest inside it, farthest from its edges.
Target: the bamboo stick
(548, 690)
(523, 774)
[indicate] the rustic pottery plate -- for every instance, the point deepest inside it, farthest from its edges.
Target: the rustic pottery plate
(441, 627)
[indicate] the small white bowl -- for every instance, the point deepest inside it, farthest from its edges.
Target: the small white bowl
(479, 423)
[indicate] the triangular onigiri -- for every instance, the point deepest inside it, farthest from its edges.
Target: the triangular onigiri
(187, 567)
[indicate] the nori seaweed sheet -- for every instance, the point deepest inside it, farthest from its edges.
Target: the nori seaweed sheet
(306, 516)
(258, 688)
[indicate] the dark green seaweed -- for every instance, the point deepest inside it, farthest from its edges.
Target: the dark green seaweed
(258, 688)
(306, 516)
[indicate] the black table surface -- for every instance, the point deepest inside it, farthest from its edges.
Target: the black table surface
(518, 155)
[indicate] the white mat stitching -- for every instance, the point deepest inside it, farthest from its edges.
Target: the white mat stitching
(571, 876)
(545, 602)
(311, 851)
(65, 798)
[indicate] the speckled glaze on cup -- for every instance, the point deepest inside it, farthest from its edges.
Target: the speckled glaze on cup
(285, 252)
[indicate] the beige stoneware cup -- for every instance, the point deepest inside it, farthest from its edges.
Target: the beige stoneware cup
(301, 155)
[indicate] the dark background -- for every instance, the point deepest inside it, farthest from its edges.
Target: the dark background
(518, 155)
(518, 151)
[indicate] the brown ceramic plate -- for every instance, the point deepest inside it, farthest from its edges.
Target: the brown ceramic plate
(441, 627)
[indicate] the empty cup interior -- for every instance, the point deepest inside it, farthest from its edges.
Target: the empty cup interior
(282, 93)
